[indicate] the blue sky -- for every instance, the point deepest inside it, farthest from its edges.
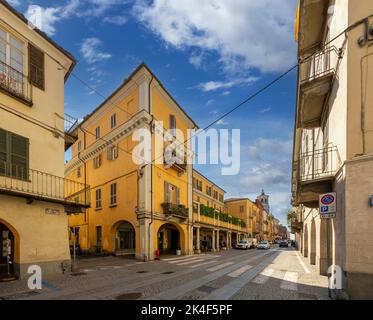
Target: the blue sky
(209, 54)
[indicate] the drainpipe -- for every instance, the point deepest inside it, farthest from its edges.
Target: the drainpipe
(151, 168)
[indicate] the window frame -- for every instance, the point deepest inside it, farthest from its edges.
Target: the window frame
(113, 121)
(98, 132)
(98, 199)
(113, 194)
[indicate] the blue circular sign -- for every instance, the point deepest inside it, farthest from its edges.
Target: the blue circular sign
(327, 199)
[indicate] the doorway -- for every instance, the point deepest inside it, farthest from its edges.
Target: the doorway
(7, 252)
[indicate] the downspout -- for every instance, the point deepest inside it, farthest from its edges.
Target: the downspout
(151, 167)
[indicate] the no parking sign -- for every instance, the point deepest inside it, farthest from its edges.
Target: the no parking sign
(328, 205)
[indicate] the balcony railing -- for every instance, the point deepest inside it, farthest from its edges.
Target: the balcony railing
(34, 184)
(179, 211)
(15, 83)
(320, 64)
(70, 123)
(319, 164)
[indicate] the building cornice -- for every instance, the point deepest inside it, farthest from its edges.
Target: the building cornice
(137, 121)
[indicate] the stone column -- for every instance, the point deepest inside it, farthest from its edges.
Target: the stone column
(237, 237)
(213, 241)
(217, 240)
(198, 241)
(229, 240)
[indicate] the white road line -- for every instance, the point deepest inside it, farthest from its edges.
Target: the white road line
(179, 291)
(229, 290)
(189, 262)
(290, 281)
(188, 257)
(89, 270)
(239, 271)
(264, 276)
(306, 270)
(184, 260)
(203, 264)
(220, 266)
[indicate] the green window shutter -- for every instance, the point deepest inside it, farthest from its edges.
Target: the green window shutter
(3, 152)
(36, 67)
(19, 155)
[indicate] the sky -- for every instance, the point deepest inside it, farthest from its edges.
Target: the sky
(209, 54)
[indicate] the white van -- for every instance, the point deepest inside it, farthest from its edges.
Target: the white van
(247, 243)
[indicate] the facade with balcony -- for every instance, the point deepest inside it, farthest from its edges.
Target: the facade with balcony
(333, 139)
(141, 203)
(34, 194)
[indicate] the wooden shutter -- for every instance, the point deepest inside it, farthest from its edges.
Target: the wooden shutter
(166, 192)
(19, 156)
(3, 152)
(36, 67)
(177, 195)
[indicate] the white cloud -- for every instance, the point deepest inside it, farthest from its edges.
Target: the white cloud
(216, 85)
(196, 59)
(244, 33)
(265, 110)
(43, 18)
(117, 20)
(46, 18)
(91, 52)
(226, 93)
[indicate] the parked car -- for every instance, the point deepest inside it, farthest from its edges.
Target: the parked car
(244, 244)
(283, 244)
(264, 244)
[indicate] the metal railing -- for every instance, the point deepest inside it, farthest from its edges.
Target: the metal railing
(70, 123)
(40, 185)
(319, 163)
(171, 209)
(318, 65)
(14, 82)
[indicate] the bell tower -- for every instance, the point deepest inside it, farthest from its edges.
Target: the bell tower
(264, 200)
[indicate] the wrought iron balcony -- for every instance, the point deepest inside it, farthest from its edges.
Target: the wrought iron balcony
(179, 211)
(316, 172)
(15, 84)
(70, 126)
(33, 184)
(316, 74)
(296, 226)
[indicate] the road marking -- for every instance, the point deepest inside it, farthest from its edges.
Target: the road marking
(239, 271)
(306, 270)
(290, 281)
(184, 260)
(229, 290)
(189, 257)
(189, 262)
(264, 276)
(89, 270)
(220, 266)
(203, 264)
(179, 291)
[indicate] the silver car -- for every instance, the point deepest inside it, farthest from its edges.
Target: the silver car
(264, 244)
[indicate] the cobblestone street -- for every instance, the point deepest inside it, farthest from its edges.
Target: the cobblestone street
(281, 274)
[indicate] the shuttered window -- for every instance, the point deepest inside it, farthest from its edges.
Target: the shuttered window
(172, 194)
(14, 155)
(172, 124)
(37, 71)
(113, 194)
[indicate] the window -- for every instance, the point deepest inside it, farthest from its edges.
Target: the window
(221, 198)
(97, 161)
(112, 152)
(113, 121)
(11, 62)
(78, 172)
(98, 133)
(195, 207)
(113, 194)
(242, 209)
(79, 146)
(36, 65)
(172, 193)
(98, 199)
(172, 124)
(208, 190)
(216, 195)
(14, 155)
(98, 236)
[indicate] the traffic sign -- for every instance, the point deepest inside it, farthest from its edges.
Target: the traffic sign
(328, 205)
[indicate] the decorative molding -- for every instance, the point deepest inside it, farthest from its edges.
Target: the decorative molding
(115, 136)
